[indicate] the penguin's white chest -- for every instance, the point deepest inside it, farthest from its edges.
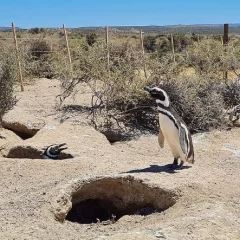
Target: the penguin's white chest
(171, 134)
(45, 157)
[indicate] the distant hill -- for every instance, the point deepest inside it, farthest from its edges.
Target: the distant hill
(184, 29)
(8, 28)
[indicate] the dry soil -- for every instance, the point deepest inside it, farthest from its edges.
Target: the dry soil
(208, 192)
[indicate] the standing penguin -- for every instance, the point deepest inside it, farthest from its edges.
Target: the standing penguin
(53, 151)
(172, 128)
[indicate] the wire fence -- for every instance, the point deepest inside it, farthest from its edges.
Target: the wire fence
(184, 51)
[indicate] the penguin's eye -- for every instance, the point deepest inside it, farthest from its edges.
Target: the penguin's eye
(161, 96)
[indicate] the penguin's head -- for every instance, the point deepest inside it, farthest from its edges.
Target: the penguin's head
(159, 94)
(54, 150)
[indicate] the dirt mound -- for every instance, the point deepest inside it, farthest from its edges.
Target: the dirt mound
(112, 195)
(22, 123)
(79, 139)
(7, 140)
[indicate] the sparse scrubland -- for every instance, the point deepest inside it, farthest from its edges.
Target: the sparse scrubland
(122, 190)
(194, 81)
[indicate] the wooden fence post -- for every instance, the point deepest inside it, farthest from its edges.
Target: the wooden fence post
(108, 55)
(67, 45)
(143, 53)
(18, 57)
(225, 35)
(225, 43)
(221, 38)
(172, 44)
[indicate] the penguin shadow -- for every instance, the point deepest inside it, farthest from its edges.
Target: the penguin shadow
(168, 168)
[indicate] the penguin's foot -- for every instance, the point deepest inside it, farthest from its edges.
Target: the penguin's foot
(175, 164)
(181, 164)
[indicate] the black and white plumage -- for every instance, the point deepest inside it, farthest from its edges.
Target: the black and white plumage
(172, 128)
(2, 137)
(53, 151)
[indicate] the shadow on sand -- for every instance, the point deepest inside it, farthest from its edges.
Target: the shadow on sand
(158, 169)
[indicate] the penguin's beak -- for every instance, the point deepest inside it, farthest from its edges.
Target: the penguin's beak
(148, 89)
(61, 148)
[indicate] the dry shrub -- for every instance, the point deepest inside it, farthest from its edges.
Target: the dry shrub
(8, 75)
(91, 64)
(206, 56)
(37, 57)
(197, 101)
(115, 89)
(119, 104)
(164, 67)
(230, 91)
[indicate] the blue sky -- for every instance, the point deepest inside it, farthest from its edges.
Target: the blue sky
(81, 13)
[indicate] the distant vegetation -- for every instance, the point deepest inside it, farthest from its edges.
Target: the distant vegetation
(183, 29)
(36, 30)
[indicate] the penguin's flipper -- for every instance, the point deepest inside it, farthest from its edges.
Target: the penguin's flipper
(183, 140)
(160, 138)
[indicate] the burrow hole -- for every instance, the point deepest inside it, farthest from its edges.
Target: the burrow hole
(23, 134)
(106, 200)
(30, 152)
(101, 210)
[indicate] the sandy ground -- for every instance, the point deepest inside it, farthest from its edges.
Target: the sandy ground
(208, 206)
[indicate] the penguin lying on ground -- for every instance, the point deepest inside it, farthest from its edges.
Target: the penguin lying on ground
(53, 151)
(172, 128)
